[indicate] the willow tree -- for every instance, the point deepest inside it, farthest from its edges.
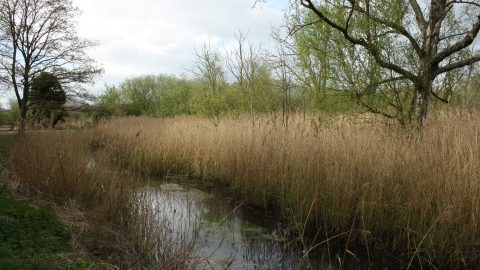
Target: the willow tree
(39, 36)
(427, 39)
(339, 76)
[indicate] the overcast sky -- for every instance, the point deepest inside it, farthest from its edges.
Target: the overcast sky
(158, 36)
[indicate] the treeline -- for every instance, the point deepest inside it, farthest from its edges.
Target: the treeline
(314, 70)
(333, 57)
(168, 95)
(319, 65)
(246, 79)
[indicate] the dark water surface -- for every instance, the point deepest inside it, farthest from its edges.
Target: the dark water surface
(235, 236)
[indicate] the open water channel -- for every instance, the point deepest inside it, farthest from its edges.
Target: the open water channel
(235, 236)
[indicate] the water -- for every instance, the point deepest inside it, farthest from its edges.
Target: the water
(235, 236)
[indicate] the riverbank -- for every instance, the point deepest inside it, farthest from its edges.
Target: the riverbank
(390, 188)
(31, 236)
(356, 178)
(109, 217)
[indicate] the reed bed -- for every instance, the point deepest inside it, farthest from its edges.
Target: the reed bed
(108, 210)
(396, 189)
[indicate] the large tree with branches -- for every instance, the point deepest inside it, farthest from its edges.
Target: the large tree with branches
(416, 41)
(39, 36)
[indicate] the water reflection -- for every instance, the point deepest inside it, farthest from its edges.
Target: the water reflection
(231, 235)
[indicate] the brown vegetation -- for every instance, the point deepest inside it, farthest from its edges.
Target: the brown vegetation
(418, 194)
(110, 217)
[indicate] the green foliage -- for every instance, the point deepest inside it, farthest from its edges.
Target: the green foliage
(46, 98)
(336, 76)
(208, 103)
(14, 111)
(374, 54)
(208, 93)
(142, 94)
(252, 89)
(160, 95)
(466, 93)
(108, 103)
(174, 93)
(5, 117)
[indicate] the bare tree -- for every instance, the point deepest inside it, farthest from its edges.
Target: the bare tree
(281, 60)
(39, 36)
(208, 97)
(250, 72)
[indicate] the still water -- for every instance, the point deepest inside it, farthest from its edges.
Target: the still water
(233, 235)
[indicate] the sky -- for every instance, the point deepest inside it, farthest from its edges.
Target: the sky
(159, 36)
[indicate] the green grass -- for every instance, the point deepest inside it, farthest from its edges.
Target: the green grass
(31, 237)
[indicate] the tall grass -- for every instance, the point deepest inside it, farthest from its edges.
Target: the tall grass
(110, 214)
(418, 194)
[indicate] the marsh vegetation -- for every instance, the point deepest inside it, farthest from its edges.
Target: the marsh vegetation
(406, 191)
(327, 128)
(354, 179)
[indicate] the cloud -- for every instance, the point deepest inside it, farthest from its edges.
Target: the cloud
(152, 36)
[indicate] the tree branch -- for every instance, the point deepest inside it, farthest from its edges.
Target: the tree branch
(438, 97)
(461, 44)
(373, 50)
(418, 16)
(455, 65)
(463, 2)
(300, 27)
(397, 29)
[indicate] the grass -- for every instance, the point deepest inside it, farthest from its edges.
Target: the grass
(109, 214)
(385, 187)
(31, 236)
(393, 188)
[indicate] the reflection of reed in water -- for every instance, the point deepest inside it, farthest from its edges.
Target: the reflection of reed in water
(220, 233)
(177, 213)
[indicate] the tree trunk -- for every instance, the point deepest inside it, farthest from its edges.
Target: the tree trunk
(423, 91)
(23, 117)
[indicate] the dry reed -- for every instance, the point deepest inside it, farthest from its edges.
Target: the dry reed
(416, 193)
(111, 218)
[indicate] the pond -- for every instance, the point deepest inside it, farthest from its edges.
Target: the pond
(233, 235)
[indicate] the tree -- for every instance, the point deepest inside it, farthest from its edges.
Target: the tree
(251, 73)
(208, 96)
(39, 36)
(281, 63)
(174, 94)
(47, 98)
(313, 48)
(142, 94)
(468, 93)
(338, 76)
(417, 43)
